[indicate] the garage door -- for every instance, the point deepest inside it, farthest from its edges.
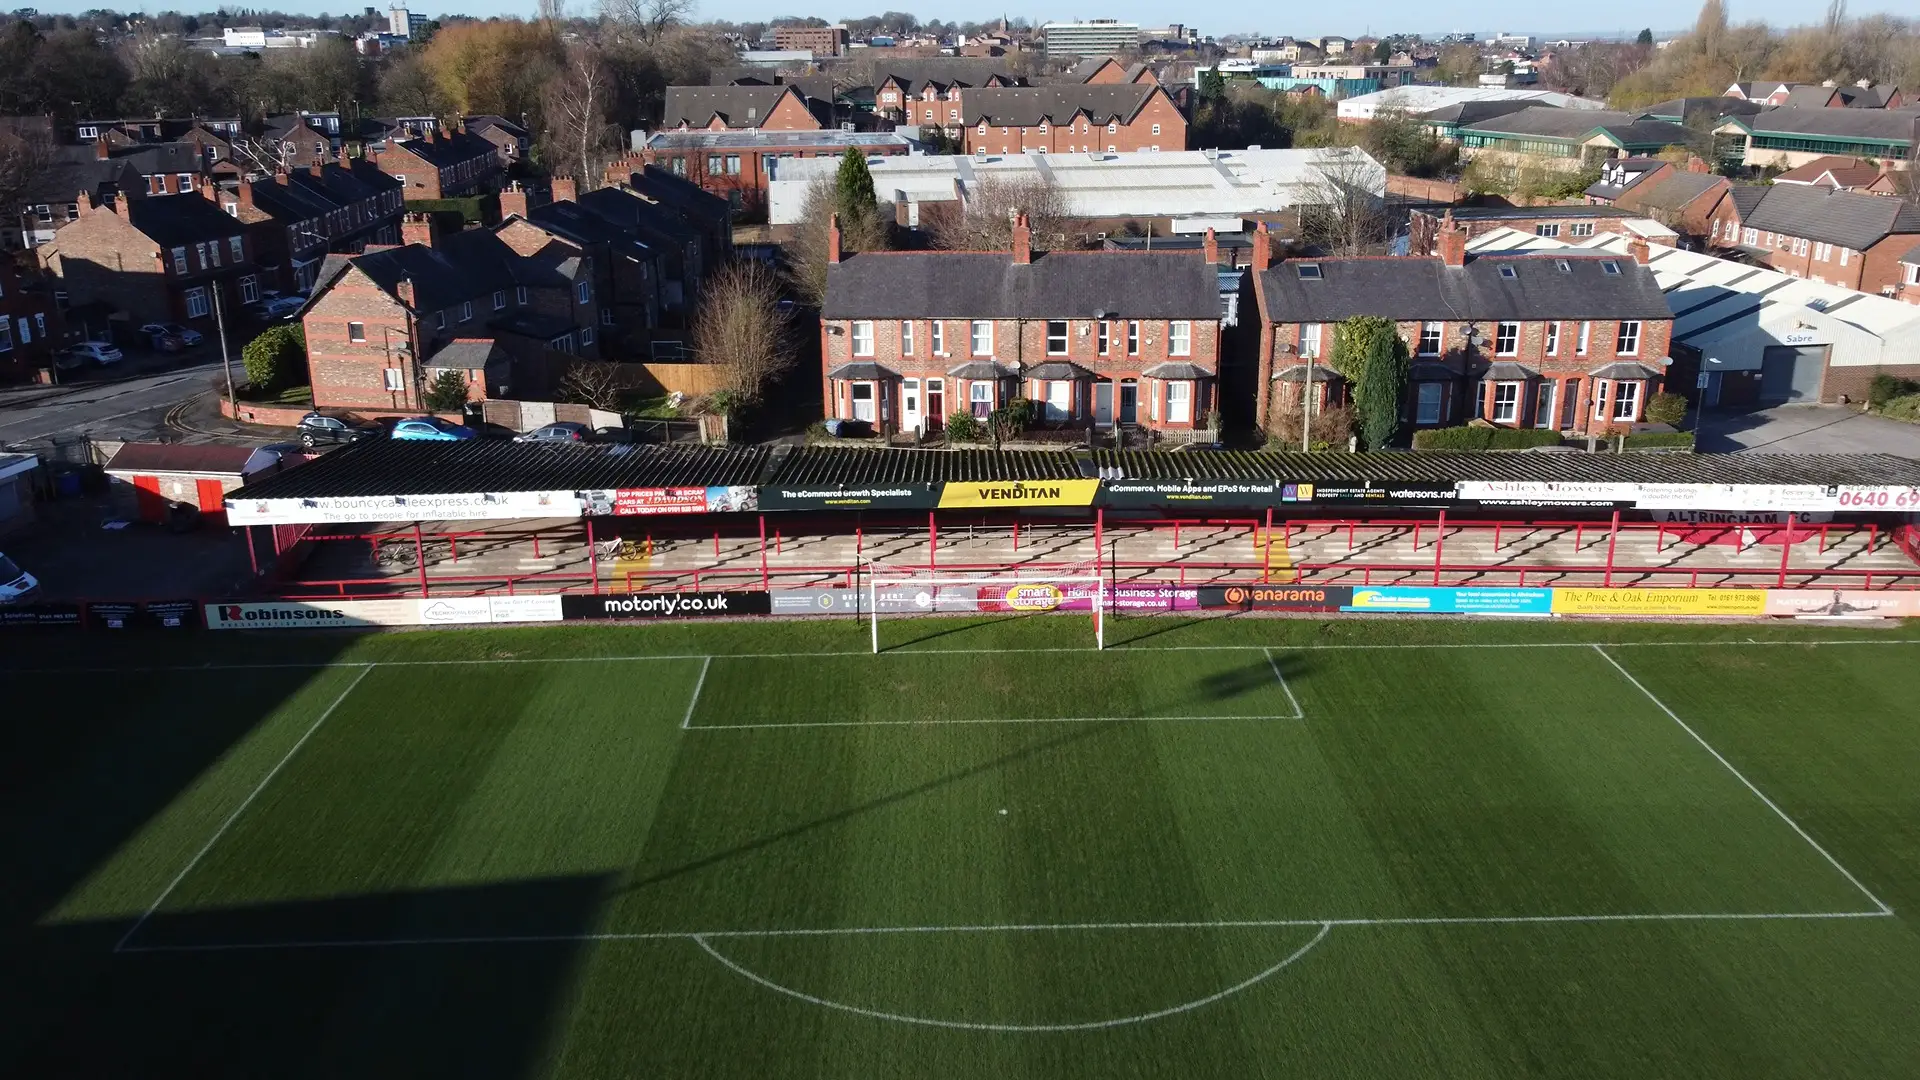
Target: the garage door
(1792, 372)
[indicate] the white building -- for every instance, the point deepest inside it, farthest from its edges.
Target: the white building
(1095, 37)
(402, 23)
(1186, 184)
(1747, 323)
(1425, 99)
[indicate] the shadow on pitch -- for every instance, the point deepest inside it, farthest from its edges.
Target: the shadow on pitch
(1257, 675)
(1081, 734)
(950, 626)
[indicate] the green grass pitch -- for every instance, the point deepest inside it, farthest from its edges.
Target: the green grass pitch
(1220, 848)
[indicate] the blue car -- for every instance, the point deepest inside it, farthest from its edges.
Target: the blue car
(431, 428)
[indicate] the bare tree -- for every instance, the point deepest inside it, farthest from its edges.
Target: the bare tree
(579, 136)
(984, 219)
(741, 330)
(24, 160)
(1342, 209)
(807, 257)
(651, 19)
(596, 384)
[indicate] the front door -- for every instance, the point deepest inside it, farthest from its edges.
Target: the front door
(1103, 403)
(910, 405)
(936, 404)
(1129, 402)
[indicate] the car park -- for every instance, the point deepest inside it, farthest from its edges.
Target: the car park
(319, 429)
(97, 352)
(431, 429)
(187, 336)
(16, 585)
(563, 431)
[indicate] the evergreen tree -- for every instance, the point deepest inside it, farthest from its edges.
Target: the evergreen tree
(1645, 38)
(853, 185)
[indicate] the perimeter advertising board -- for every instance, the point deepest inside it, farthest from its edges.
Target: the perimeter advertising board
(665, 605)
(1125, 494)
(1844, 603)
(311, 614)
(1440, 601)
(1276, 597)
(886, 497)
(346, 509)
(1016, 493)
(1363, 491)
(641, 502)
(1660, 601)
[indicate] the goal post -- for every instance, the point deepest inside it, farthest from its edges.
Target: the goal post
(904, 591)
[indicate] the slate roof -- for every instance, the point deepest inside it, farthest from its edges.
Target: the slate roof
(1890, 125)
(439, 279)
(980, 369)
(1809, 97)
(1646, 133)
(1746, 197)
(1546, 121)
(990, 285)
(912, 76)
(1027, 106)
(1675, 191)
(1059, 369)
(1718, 107)
(1177, 370)
(1849, 218)
(483, 121)
(1405, 289)
(576, 223)
(736, 106)
(151, 158)
(174, 220)
(1472, 112)
(1912, 256)
(74, 169)
(862, 369)
(450, 149)
(474, 354)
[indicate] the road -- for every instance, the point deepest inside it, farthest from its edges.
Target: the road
(132, 407)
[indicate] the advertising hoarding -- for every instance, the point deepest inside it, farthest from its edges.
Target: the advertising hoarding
(1452, 601)
(1276, 597)
(345, 509)
(641, 502)
(665, 605)
(1011, 493)
(887, 497)
(1660, 601)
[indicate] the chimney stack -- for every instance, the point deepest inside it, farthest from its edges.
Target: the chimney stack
(833, 238)
(417, 229)
(1262, 248)
(246, 193)
(1642, 254)
(281, 177)
(403, 291)
(565, 189)
(102, 150)
(345, 161)
(1695, 165)
(1212, 248)
(314, 168)
(1453, 242)
(513, 200)
(1022, 240)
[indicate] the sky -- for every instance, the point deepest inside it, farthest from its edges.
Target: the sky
(1485, 17)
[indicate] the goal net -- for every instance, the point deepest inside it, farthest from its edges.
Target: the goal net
(894, 592)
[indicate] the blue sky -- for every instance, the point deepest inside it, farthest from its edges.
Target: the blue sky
(1234, 16)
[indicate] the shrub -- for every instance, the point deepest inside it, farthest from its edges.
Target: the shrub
(1670, 409)
(1483, 438)
(1329, 430)
(1905, 407)
(276, 358)
(963, 427)
(1884, 388)
(447, 392)
(1653, 440)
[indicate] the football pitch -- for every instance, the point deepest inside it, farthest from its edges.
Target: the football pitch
(1220, 848)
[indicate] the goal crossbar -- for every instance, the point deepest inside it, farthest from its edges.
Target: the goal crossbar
(1013, 590)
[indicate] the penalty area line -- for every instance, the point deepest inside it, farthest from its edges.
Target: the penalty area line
(686, 722)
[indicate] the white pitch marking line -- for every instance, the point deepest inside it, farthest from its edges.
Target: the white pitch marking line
(1319, 647)
(1024, 928)
(1298, 712)
(974, 720)
(1737, 775)
(121, 945)
(964, 1025)
(686, 722)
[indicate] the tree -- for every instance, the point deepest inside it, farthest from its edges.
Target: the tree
(1382, 52)
(499, 67)
(741, 330)
(447, 392)
(579, 138)
(651, 19)
(1341, 203)
(983, 219)
(276, 358)
(596, 384)
(861, 229)
(853, 182)
(1380, 384)
(1645, 38)
(407, 87)
(1213, 85)
(25, 157)
(1404, 144)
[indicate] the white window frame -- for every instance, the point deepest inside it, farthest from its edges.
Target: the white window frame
(938, 336)
(860, 336)
(393, 380)
(980, 337)
(1627, 338)
(1626, 400)
(1310, 341)
(520, 294)
(1506, 403)
(1156, 129)
(1580, 228)
(1435, 331)
(586, 335)
(1064, 338)
(237, 247)
(1585, 339)
(1133, 337)
(1553, 338)
(1506, 339)
(1543, 404)
(583, 291)
(1104, 338)
(906, 337)
(1546, 229)
(249, 288)
(1180, 401)
(179, 260)
(980, 392)
(197, 304)
(466, 311)
(499, 299)
(358, 337)
(1180, 338)
(872, 402)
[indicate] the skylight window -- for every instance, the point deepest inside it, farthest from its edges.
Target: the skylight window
(1308, 271)
(1507, 271)
(1564, 266)
(1610, 267)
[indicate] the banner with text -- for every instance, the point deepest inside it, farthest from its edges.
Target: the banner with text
(1453, 601)
(1276, 597)
(665, 605)
(638, 502)
(1660, 601)
(1015, 493)
(346, 509)
(887, 497)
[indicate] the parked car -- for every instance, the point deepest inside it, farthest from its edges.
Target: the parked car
(16, 585)
(431, 428)
(564, 431)
(269, 308)
(185, 335)
(319, 429)
(98, 352)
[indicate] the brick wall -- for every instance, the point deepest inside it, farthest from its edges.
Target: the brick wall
(1079, 135)
(1851, 382)
(352, 374)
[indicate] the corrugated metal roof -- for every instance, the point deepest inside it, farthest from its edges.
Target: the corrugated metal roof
(857, 467)
(406, 467)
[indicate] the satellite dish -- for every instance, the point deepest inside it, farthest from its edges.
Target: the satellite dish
(1100, 313)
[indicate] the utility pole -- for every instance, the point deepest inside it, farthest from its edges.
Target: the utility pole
(226, 364)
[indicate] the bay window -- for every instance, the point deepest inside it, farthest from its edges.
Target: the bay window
(1179, 402)
(1427, 403)
(1506, 402)
(1626, 401)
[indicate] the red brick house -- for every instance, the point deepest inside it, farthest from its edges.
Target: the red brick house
(928, 92)
(155, 260)
(736, 165)
(30, 326)
(1567, 341)
(1072, 118)
(720, 108)
(1106, 71)
(446, 164)
(1095, 337)
(1844, 238)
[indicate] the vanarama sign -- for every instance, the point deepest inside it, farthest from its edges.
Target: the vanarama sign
(1019, 493)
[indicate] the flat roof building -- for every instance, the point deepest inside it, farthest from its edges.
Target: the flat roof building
(1095, 37)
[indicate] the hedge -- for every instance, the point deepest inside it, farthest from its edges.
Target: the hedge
(1653, 440)
(1903, 408)
(473, 209)
(1483, 438)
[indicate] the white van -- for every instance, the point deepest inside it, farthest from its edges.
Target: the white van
(16, 585)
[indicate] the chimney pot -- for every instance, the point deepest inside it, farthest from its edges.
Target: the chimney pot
(565, 189)
(417, 229)
(1641, 252)
(102, 150)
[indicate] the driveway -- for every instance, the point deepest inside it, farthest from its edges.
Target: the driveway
(1807, 429)
(112, 403)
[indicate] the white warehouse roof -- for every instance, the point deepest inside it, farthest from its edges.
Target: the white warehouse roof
(1732, 312)
(1422, 99)
(1182, 183)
